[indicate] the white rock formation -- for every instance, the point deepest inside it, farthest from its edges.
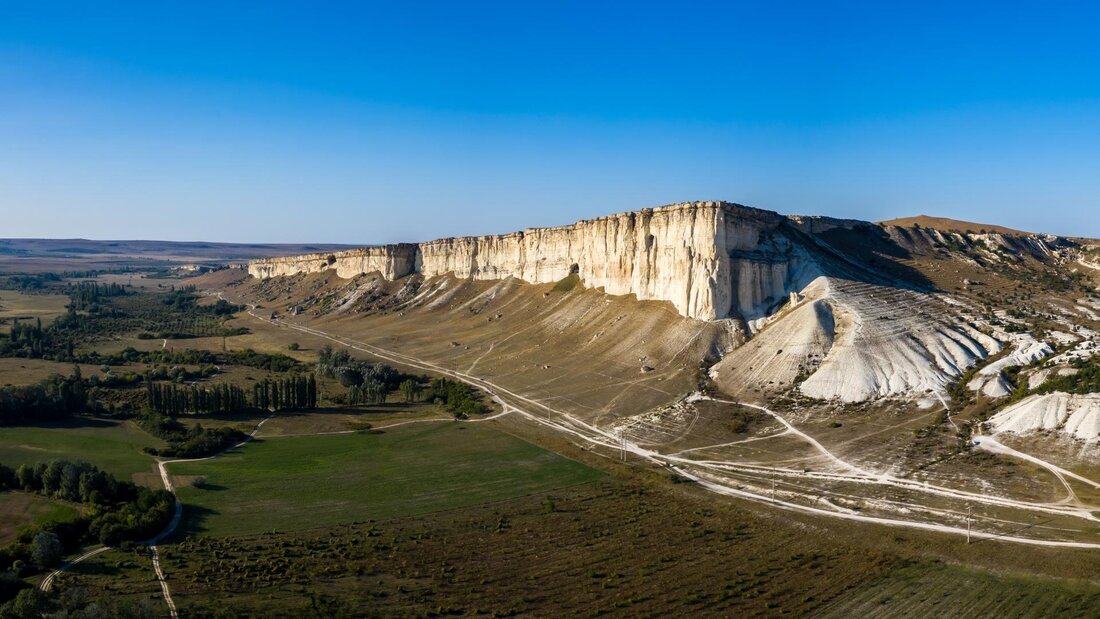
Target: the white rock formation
(853, 341)
(709, 259)
(990, 379)
(392, 261)
(1075, 415)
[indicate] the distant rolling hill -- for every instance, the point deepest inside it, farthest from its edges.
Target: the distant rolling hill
(77, 255)
(195, 249)
(945, 224)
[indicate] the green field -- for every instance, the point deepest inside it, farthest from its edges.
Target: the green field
(18, 509)
(115, 447)
(308, 482)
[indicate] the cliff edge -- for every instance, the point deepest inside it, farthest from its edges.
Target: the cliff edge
(711, 260)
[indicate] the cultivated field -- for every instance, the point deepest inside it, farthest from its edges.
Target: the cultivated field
(113, 446)
(25, 306)
(316, 481)
(19, 509)
(628, 545)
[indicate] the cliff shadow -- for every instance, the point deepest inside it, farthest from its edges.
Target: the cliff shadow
(867, 254)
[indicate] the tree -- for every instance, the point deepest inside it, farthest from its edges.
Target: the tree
(411, 390)
(349, 376)
(293, 346)
(46, 549)
(26, 605)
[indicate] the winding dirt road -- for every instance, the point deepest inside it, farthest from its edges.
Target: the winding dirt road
(572, 426)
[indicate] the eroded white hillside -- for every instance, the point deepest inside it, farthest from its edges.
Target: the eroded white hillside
(1077, 416)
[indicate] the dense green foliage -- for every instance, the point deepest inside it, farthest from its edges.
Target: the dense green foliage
(115, 510)
(353, 372)
(171, 399)
(194, 442)
(1086, 380)
(98, 310)
(459, 398)
(52, 399)
(36, 281)
(88, 296)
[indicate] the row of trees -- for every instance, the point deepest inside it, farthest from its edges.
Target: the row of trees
(172, 399)
(369, 392)
(54, 398)
(78, 482)
(87, 295)
(293, 392)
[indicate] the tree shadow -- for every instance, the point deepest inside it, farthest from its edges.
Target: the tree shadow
(212, 487)
(194, 522)
(70, 423)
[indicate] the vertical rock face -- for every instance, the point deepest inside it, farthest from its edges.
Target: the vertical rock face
(709, 259)
(392, 261)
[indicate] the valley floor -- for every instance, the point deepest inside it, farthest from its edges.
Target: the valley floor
(647, 537)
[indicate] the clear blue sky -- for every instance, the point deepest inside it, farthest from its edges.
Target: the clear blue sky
(377, 122)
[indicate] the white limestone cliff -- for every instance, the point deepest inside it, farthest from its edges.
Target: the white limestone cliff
(709, 259)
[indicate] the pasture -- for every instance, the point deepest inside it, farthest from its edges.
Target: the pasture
(113, 446)
(316, 481)
(19, 509)
(14, 304)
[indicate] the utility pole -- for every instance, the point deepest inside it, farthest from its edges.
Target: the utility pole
(773, 486)
(968, 513)
(622, 446)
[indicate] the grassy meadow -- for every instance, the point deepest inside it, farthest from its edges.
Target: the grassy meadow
(316, 481)
(19, 509)
(113, 446)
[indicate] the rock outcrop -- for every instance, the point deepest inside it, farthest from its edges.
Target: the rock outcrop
(392, 261)
(711, 260)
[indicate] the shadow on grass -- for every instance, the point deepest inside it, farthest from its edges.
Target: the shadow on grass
(71, 423)
(213, 487)
(193, 523)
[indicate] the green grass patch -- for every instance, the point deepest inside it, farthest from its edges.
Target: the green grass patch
(308, 482)
(568, 283)
(20, 509)
(113, 446)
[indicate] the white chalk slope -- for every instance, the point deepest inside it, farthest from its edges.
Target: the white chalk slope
(1077, 416)
(853, 341)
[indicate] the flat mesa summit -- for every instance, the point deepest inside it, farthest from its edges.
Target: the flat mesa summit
(835, 308)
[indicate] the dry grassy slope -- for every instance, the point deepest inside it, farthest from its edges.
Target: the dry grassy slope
(873, 324)
(945, 224)
(579, 350)
(877, 331)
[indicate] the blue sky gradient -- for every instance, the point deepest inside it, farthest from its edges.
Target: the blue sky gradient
(400, 121)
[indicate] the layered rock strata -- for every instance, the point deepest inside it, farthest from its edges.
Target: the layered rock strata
(711, 260)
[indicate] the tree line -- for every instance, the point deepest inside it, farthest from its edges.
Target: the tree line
(116, 511)
(54, 398)
(271, 394)
(185, 442)
(88, 295)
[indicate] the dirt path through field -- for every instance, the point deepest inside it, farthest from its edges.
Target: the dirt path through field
(569, 425)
